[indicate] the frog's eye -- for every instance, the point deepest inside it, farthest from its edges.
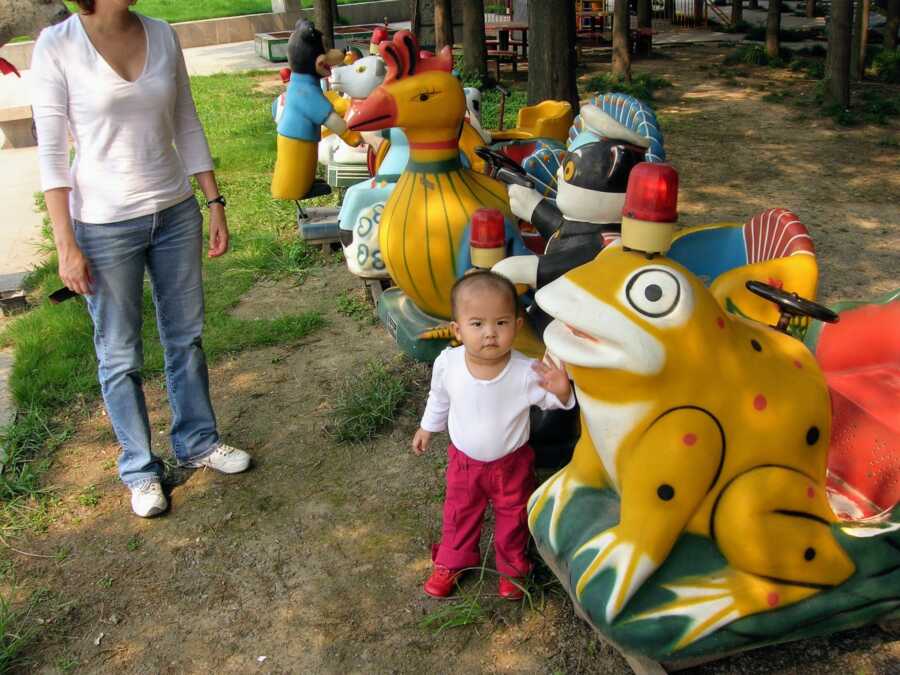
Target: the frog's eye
(360, 69)
(653, 292)
(569, 170)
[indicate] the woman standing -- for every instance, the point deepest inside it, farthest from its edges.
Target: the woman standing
(116, 81)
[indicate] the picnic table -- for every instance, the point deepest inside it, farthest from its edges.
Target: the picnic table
(502, 44)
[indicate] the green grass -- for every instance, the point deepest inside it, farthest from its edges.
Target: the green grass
(55, 369)
(368, 401)
(174, 11)
(356, 308)
(490, 108)
(643, 86)
(886, 66)
(17, 630)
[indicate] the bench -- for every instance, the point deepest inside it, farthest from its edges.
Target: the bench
(499, 56)
(17, 127)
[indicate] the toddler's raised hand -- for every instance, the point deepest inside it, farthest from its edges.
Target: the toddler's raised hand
(420, 441)
(554, 378)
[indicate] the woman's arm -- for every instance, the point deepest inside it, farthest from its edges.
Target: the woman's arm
(50, 105)
(73, 266)
(218, 222)
(190, 141)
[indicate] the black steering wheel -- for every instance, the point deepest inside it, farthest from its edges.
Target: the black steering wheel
(502, 168)
(791, 305)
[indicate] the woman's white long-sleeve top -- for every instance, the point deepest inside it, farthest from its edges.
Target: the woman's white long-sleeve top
(135, 143)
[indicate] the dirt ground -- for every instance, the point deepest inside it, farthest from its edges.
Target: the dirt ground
(313, 561)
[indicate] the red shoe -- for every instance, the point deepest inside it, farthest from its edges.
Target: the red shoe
(511, 588)
(441, 582)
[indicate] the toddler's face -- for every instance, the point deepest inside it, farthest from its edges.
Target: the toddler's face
(486, 322)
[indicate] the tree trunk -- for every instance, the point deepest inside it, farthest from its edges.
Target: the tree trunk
(644, 14)
(893, 23)
(810, 8)
(443, 24)
(863, 41)
(474, 52)
(551, 35)
(669, 9)
(754, 4)
(855, 40)
(837, 77)
(415, 18)
(773, 29)
(325, 22)
(737, 11)
(644, 46)
(621, 56)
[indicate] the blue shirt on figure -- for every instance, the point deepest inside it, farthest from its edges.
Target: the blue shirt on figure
(305, 109)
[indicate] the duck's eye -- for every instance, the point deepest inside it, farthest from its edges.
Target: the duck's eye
(653, 292)
(569, 170)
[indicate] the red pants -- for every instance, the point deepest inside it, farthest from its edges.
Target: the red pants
(507, 483)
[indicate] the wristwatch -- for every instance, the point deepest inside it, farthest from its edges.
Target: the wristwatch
(218, 200)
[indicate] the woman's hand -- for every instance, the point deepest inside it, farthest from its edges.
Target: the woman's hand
(218, 231)
(420, 441)
(554, 379)
(74, 270)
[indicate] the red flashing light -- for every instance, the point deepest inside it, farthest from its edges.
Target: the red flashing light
(379, 35)
(488, 230)
(652, 193)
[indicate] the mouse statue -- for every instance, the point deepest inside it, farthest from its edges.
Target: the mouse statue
(306, 110)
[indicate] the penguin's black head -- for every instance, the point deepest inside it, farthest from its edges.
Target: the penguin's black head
(603, 165)
(304, 47)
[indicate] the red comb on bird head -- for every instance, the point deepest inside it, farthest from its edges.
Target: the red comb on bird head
(403, 58)
(6, 68)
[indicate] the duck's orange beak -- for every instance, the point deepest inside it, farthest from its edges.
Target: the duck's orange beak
(378, 111)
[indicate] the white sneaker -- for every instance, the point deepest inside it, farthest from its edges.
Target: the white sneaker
(147, 499)
(224, 459)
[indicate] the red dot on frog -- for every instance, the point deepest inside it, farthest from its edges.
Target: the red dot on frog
(720, 322)
(797, 364)
(810, 492)
(760, 402)
(689, 439)
(773, 599)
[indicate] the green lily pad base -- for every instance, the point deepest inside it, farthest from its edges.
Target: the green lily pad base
(871, 595)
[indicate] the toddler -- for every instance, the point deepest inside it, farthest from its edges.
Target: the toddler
(481, 392)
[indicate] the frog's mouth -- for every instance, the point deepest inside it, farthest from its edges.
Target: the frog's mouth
(590, 333)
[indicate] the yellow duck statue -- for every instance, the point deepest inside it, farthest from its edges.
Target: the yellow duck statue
(424, 219)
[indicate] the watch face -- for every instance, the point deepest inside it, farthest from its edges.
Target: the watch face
(218, 200)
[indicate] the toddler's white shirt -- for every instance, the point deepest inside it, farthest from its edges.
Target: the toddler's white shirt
(487, 419)
(136, 143)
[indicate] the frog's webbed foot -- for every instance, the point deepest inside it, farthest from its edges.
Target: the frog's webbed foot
(442, 332)
(558, 488)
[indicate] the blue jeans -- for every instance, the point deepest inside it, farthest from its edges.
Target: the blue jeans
(168, 244)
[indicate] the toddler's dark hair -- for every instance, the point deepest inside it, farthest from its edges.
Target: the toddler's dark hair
(488, 279)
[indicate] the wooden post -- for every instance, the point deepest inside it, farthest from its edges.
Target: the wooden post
(856, 39)
(737, 11)
(474, 52)
(837, 76)
(621, 55)
(893, 23)
(863, 40)
(773, 29)
(325, 22)
(443, 24)
(810, 8)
